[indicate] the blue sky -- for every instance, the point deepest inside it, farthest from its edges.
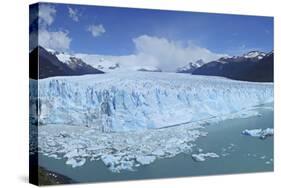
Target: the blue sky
(111, 31)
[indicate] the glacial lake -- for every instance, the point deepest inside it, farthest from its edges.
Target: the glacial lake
(238, 154)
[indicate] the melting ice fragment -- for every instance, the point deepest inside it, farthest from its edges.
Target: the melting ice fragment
(76, 162)
(203, 156)
(260, 133)
(145, 160)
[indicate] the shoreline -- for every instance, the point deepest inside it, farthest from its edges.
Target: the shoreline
(47, 177)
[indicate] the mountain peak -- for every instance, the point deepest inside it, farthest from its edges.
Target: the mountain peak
(254, 54)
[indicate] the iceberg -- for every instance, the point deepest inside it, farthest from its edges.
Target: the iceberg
(260, 133)
(145, 160)
(203, 156)
(76, 163)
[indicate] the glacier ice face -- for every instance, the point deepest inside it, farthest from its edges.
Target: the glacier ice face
(131, 101)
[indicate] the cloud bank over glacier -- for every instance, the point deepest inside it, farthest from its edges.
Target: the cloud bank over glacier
(154, 52)
(168, 55)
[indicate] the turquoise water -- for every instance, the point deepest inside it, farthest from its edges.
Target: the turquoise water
(238, 154)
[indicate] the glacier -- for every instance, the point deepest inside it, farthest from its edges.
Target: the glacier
(130, 119)
(133, 101)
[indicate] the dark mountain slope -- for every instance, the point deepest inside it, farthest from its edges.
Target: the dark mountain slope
(247, 69)
(43, 64)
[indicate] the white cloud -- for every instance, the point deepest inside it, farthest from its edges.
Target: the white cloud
(57, 40)
(155, 52)
(46, 15)
(53, 39)
(73, 14)
(96, 30)
(169, 55)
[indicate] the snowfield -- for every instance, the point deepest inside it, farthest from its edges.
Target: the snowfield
(131, 119)
(131, 101)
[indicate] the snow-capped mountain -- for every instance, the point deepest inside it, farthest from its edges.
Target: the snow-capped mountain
(252, 56)
(143, 100)
(252, 66)
(50, 65)
(74, 63)
(190, 67)
(255, 54)
(125, 63)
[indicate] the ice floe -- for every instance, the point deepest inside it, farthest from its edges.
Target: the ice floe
(260, 133)
(75, 162)
(145, 160)
(118, 151)
(203, 156)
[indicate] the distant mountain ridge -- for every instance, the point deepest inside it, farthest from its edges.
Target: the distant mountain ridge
(49, 65)
(253, 66)
(190, 67)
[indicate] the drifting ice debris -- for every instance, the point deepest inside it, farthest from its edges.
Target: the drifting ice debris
(261, 133)
(202, 156)
(267, 162)
(120, 150)
(200, 150)
(76, 162)
(145, 160)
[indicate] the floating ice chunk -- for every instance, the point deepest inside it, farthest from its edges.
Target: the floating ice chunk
(200, 150)
(117, 163)
(76, 162)
(261, 133)
(124, 165)
(55, 156)
(71, 154)
(158, 152)
(110, 160)
(253, 132)
(145, 160)
(202, 156)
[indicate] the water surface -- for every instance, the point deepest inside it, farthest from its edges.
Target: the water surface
(238, 154)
